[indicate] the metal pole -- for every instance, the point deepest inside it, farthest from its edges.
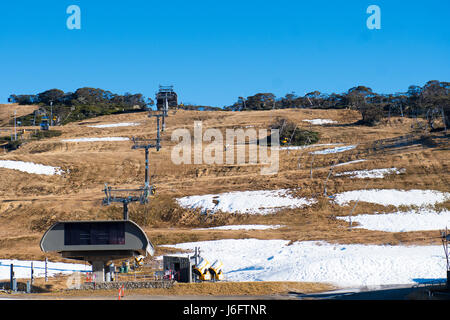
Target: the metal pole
(51, 113)
(32, 272)
(158, 137)
(11, 276)
(46, 274)
(125, 210)
(15, 131)
(147, 182)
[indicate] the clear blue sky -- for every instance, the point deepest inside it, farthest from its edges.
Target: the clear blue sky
(215, 51)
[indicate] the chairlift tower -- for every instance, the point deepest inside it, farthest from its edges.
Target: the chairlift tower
(126, 196)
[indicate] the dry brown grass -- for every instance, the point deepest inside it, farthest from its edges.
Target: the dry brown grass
(7, 112)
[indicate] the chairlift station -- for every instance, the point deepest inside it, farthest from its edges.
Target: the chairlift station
(98, 242)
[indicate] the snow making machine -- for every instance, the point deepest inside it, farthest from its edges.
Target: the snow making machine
(216, 270)
(207, 271)
(202, 269)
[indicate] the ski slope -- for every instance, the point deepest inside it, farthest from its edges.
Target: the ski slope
(352, 265)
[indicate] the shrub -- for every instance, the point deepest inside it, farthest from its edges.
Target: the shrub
(292, 134)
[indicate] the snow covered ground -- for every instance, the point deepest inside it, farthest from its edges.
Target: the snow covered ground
(22, 268)
(371, 174)
(97, 139)
(244, 227)
(317, 261)
(320, 121)
(309, 146)
(114, 125)
(349, 162)
(30, 167)
(393, 197)
(403, 221)
(254, 202)
(334, 150)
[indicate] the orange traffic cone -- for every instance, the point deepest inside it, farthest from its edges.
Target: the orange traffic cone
(121, 292)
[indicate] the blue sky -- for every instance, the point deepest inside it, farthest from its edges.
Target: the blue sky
(214, 51)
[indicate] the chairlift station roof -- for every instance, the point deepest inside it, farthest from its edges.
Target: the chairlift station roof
(96, 240)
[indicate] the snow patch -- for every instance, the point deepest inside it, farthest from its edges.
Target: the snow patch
(393, 197)
(371, 174)
(320, 121)
(244, 227)
(114, 125)
(403, 221)
(317, 261)
(30, 167)
(334, 150)
(350, 162)
(253, 202)
(309, 146)
(97, 139)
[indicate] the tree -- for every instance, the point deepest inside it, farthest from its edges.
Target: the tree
(52, 95)
(24, 99)
(261, 101)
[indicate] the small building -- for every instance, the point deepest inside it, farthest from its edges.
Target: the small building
(178, 268)
(164, 94)
(98, 242)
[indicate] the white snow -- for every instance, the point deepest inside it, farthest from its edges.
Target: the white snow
(97, 139)
(317, 261)
(114, 125)
(350, 162)
(334, 150)
(30, 167)
(403, 221)
(253, 202)
(393, 197)
(320, 121)
(371, 174)
(309, 146)
(244, 227)
(22, 268)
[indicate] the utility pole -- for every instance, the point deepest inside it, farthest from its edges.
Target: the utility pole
(15, 131)
(51, 113)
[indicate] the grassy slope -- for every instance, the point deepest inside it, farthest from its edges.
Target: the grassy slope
(31, 203)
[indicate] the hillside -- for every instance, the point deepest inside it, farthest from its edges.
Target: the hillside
(31, 202)
(7, 112)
